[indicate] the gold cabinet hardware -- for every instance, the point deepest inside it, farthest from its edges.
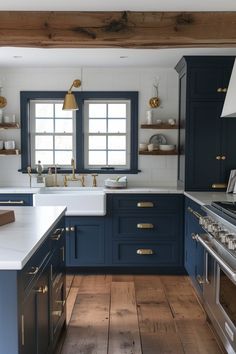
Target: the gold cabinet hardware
(61, 302)
(20, 202)
(68, 229)
(200, 279)
(57, 234)
(145, 205)
(218, 157)
(219, 185)
(224, 89)
(33, 271)
(22, 330)
(219, 89)
(42, 290)
(223, 158)
(145, 226)
(145, 251)
(57, 313)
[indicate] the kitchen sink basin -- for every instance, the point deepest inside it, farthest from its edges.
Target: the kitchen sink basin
(78, 200)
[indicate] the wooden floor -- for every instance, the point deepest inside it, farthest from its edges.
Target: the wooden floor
(113, 314)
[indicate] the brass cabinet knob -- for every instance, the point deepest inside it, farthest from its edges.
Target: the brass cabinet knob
(145, 205)
(68, 229)
(218, 157)
(42, 290)
(145, 226)
(33, 270)
(224, 89)
(223, 158)
(219, 89)
(145, 251)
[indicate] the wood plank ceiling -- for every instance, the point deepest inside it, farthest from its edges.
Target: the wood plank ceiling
(44, 29)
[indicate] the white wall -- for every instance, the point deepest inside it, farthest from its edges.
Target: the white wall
(156, 170)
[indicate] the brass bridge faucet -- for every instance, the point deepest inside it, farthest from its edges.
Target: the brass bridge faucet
(73, 178)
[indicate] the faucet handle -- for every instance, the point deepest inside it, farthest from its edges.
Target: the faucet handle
(94, 180)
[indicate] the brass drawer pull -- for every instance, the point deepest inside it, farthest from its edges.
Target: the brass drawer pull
(145, 251)
(57, 234)
(33, 271)
(42, 290)
(20, 202)
(219, 185)
(145, 226)
(145, 205)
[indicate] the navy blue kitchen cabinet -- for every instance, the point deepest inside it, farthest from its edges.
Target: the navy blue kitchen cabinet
(193, 253)
(147, 232)
(32, 304)
(16, 199)
(85, 241)
(139, 233)
(206, 141)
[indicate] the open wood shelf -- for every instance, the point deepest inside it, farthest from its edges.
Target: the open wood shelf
(10, 152)
(9, 125)
(159, 126)
(158, 152)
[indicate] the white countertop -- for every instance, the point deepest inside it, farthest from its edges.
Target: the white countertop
(18, 190)
(20, 239)
(151, 190)
(206, 198)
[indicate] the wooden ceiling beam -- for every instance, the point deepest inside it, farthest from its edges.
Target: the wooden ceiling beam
(126, 29)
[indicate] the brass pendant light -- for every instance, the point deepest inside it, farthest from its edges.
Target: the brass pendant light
(69, 100)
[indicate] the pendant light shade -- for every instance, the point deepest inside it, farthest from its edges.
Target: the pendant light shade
(69, 100)
(229, 108)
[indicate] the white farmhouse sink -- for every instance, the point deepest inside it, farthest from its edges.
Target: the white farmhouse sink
(78, 200)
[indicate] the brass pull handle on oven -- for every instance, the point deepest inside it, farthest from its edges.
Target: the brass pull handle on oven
(145, 205)
(33, 271)
(145, 251)
(42, 290)
(20, 202)
(218, 185)
(145, 226)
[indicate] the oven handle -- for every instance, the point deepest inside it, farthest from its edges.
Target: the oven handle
(230, 271)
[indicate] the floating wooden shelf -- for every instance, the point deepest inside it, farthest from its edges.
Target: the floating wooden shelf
(10, 152)
(9, 125)
(158, 152)
(159, 126)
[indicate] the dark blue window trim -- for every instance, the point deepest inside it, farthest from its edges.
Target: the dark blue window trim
(26, 96)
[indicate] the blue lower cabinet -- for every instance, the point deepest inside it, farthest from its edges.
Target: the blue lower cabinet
(16, 199)
(194, 253)
(146, 253)
(85, 241)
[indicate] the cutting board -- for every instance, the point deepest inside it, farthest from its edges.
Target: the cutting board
(6, 216)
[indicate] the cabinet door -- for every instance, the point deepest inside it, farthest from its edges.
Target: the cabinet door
(42, 312)
(203, 164)
(228, 154)
(85, 244)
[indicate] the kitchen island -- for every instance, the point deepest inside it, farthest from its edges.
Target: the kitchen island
(32, 295)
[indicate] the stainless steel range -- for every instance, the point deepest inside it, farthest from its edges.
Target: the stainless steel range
(219, 286)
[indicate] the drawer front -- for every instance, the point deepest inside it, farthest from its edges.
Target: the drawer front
(146, 202)
(16, 200)
(160, 226)
(149, 253)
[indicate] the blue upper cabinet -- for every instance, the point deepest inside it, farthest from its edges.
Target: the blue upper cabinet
(206, 141)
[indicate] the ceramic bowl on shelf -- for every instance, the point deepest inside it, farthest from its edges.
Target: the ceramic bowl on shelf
(143, 146)
(166, 147)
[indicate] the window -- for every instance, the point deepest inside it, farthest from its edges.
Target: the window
(51, 133)
(102, 135)
(107, 134)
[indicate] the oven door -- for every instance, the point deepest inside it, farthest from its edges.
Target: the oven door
(225, 311)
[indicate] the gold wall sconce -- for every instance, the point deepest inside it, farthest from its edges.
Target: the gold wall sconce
(69, 100)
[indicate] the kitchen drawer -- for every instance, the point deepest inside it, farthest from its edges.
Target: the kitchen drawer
(130, 253)
(16, 200)
(160, 226)
(146, 202)
(34, 266)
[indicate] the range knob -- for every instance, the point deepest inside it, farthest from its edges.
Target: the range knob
(232, 244)
(205, 221)
(229, 237)
(212, 227)
(222, 236)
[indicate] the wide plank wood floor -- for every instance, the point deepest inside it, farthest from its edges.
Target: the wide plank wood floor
(125, 314)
